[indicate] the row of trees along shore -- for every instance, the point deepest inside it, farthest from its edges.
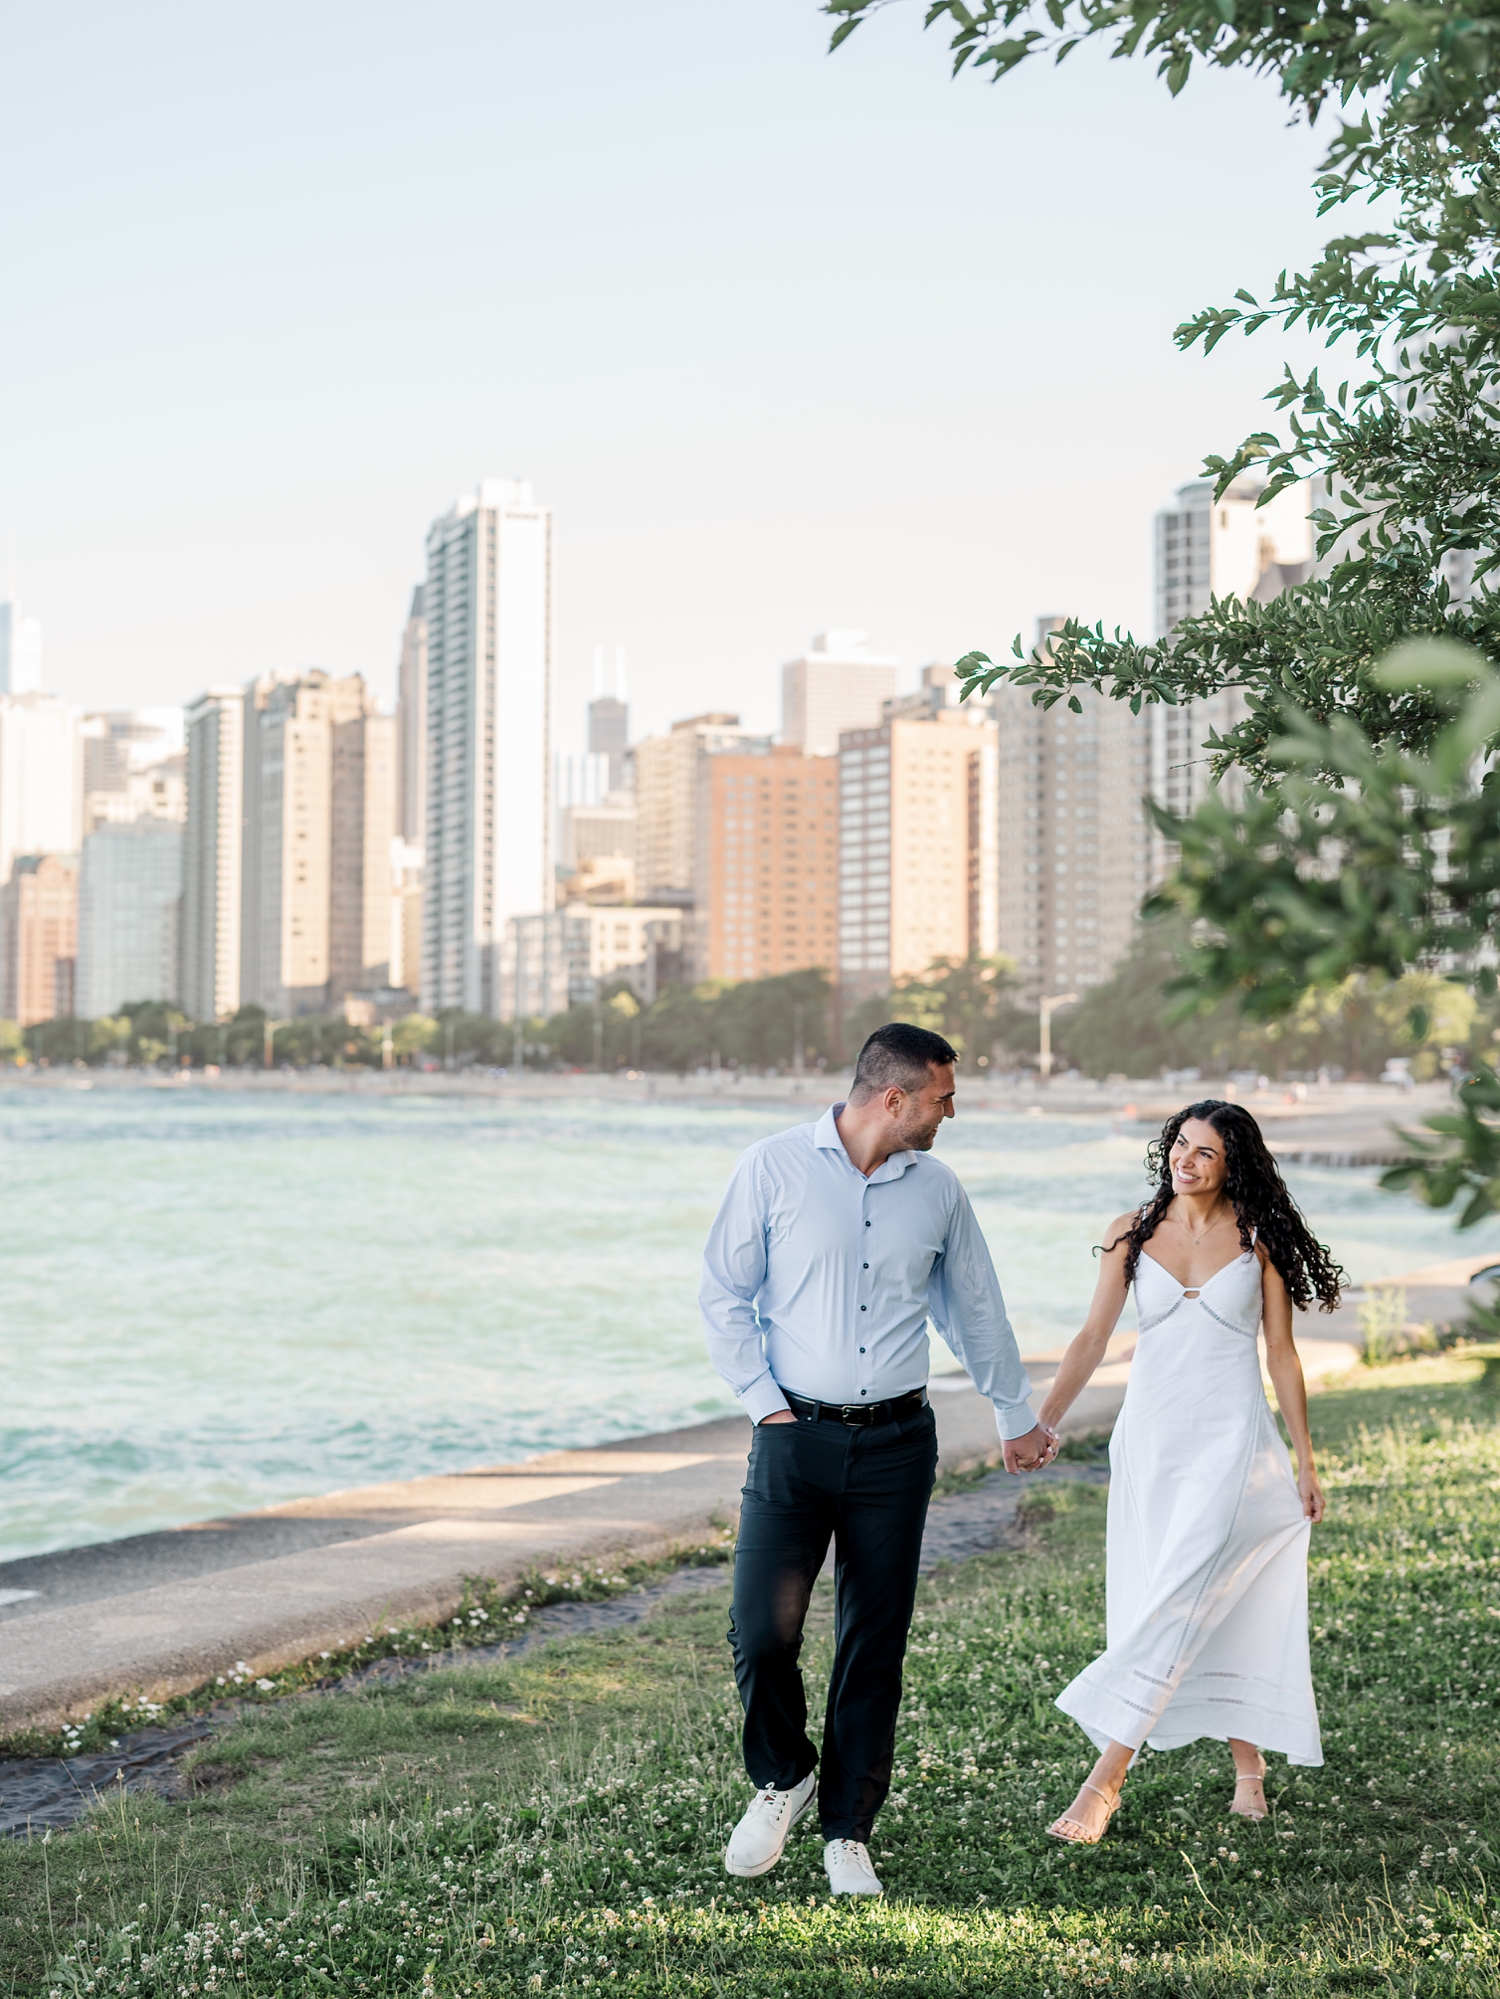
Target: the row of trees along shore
(786, 1023)
(778, 1023)
(1368, 846)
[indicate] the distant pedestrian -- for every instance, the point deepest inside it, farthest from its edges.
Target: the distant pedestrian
(834, 1243)
(1206, 1553)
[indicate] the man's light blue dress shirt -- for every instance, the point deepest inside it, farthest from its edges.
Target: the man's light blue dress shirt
(821, 1281)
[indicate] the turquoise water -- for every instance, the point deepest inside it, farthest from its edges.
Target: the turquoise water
(213, 1302)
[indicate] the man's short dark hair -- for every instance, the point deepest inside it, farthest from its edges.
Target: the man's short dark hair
(897, 1057)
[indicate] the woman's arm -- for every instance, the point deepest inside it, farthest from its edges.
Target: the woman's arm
(1285, 1371)
(1087, 1348)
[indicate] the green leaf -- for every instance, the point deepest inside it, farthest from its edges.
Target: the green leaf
(1429, 662)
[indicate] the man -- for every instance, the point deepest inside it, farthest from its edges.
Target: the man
(834, 1243)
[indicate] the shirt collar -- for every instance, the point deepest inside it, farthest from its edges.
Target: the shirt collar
(826, 1138)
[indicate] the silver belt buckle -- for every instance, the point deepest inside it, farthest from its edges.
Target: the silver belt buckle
(854, 1412)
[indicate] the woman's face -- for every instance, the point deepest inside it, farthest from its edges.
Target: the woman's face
(1198, 1162)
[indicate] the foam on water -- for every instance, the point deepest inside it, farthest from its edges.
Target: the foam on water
(213, 1302)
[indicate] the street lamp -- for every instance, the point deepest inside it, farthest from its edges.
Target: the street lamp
(1044, 1008)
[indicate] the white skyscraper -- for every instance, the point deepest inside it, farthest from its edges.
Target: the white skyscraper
(837, 684)
(212, 850)
(1209, 548)
(488, 609)
(20, 650)
(40, 793)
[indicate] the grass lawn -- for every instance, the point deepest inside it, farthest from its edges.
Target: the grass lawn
(555, 1826)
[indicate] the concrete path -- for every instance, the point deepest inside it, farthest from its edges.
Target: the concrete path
(161, 1613)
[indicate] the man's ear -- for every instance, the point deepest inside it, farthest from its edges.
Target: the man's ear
(893, 1099)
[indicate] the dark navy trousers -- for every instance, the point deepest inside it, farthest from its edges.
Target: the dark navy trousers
(866, 1489)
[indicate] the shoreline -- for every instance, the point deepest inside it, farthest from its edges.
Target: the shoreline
(1339, 1125)
(163, 1613)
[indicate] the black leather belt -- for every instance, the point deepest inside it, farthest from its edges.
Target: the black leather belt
(861, 1415)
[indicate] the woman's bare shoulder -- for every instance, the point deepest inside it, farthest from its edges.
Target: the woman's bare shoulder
(1119, 1228)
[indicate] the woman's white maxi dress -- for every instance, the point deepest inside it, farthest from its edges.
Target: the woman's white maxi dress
(1206, 1586)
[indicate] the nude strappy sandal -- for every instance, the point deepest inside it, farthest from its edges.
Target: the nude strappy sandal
(1251, 1778)
(1072, 1833)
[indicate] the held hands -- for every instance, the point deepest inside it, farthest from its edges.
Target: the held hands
(1032, 1452)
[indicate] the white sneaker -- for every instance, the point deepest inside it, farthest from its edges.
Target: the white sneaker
(756, 1843)
(849, 1869)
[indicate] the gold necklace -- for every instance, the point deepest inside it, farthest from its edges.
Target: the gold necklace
(1196, 1239)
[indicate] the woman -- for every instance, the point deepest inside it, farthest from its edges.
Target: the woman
(1208, 1524)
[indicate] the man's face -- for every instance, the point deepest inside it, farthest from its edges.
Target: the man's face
(922, 1110)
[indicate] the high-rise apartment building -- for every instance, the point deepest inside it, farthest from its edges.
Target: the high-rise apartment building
(918, 846)
(1208, 548)
(361, 883)
(666, 793)
(837, 685)
(320, 806)
(212, 852)
(39, 938)
(20, 650)
(488, 849)
(129, 913)
(767, 853)
(609, 736)
(40, 796)
(411, 719)
(1075, 845)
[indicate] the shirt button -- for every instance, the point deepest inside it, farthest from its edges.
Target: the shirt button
(864, 1266)
(864, 1308)
(867, 1224)
(861, 1349)
(864, 1391)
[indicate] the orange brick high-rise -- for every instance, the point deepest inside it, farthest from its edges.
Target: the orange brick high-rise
(767, 885)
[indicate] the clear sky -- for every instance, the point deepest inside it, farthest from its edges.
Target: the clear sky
(788, 340)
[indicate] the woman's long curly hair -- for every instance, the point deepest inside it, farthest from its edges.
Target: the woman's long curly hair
(1258, 1194)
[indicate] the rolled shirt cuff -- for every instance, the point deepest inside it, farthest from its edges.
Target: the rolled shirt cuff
(1014, 1419)
(763, 1398)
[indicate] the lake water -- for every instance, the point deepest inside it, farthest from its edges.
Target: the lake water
(210, 1302)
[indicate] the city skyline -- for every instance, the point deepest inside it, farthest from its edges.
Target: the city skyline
(258, 848)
